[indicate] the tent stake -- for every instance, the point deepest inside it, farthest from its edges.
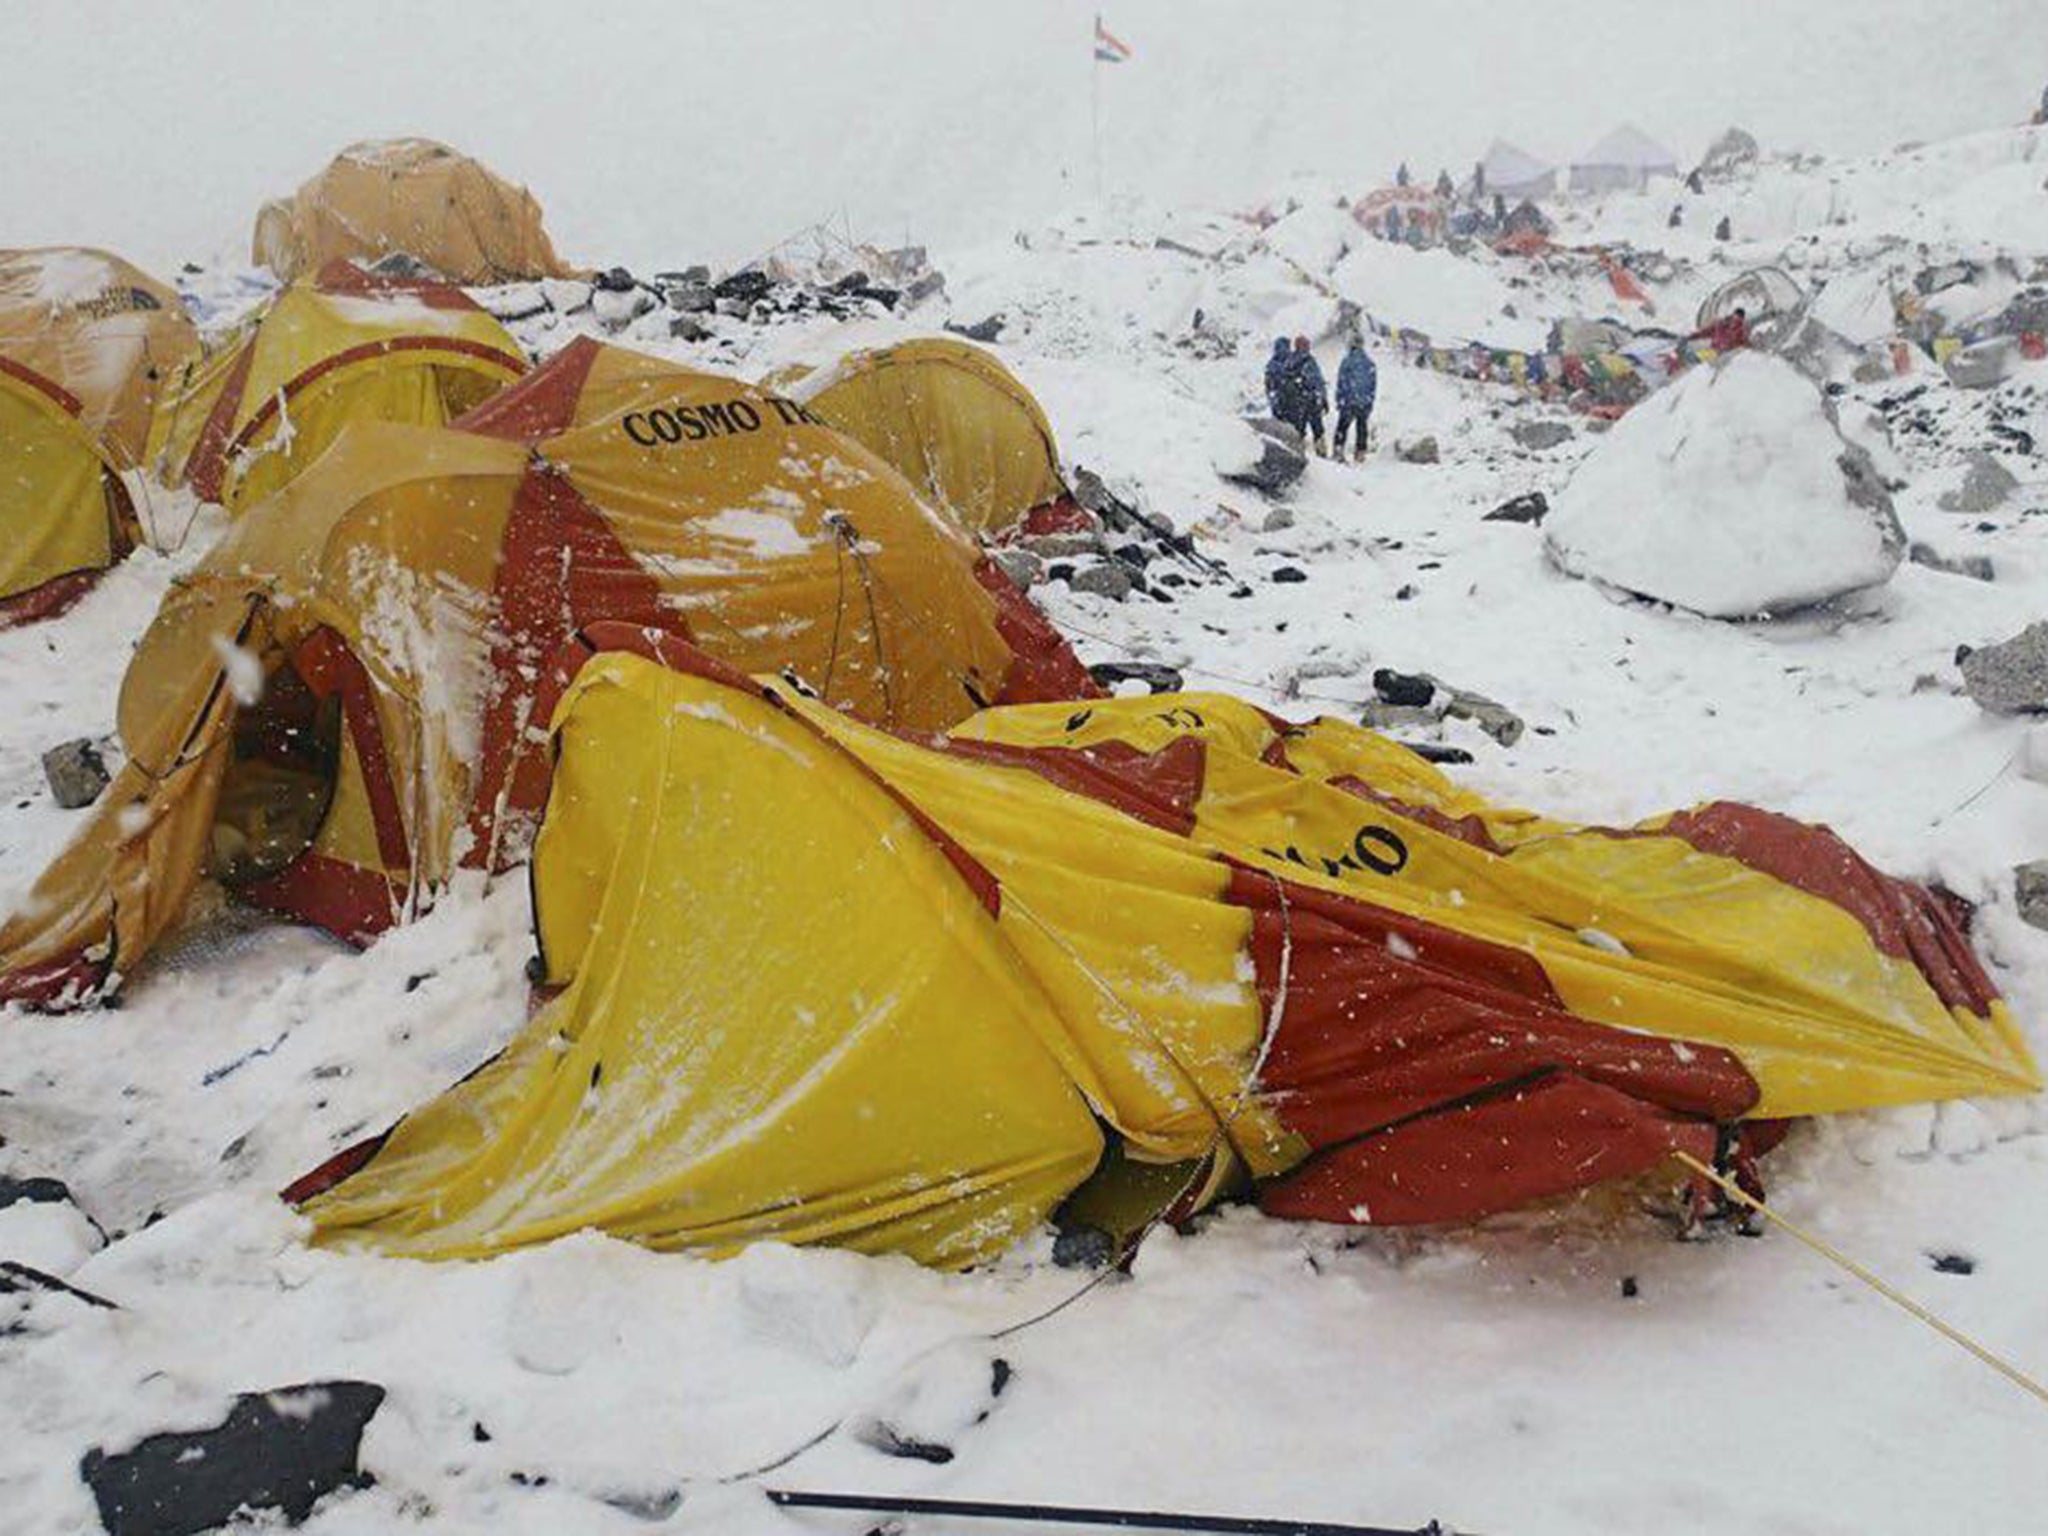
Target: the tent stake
(1072, 1514)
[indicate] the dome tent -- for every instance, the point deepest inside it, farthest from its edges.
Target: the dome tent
(1625, 160)
(344, 347)
(85, 341)
(1515, 173)
(410, 196)
(1294, 956)
(340, 704)
(952, 420)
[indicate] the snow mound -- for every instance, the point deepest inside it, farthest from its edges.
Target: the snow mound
(1732, 493)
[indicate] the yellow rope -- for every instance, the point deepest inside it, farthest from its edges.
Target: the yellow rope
(1828, 1251)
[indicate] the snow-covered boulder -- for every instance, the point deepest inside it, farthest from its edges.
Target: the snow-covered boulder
(1732, 493)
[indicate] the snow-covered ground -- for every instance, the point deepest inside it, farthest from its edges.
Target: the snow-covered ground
(1559, 1373)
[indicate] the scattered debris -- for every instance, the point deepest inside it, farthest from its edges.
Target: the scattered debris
(1540, 434)
(1529, 507)
(283, 1450)
(1156, 677)
(1953, 1264)
(2011, 677)
(1983, 365)
(76, 773)
(1407, 699)
(1422, 450)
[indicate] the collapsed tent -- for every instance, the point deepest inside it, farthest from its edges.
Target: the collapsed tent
(1415, 214)
(1626, 160)
(1513, 173)
(345, 347)
(817, 982)
(952, 420)
(85, 339)
(409, 196)
(337, 706)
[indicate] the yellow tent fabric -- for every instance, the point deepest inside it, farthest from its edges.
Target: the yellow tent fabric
(101, 329)
(412, 196)
(752, 903)
(952, 420)
(239, 424)
(64, 516)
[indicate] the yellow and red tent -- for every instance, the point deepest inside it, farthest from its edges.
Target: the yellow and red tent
(816, 981)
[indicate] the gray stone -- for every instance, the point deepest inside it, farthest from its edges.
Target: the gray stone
(688, 328)
(2028, 311)
(2030, 889)
(1529, 507)
(2011, 677)
(1103, 578)
(1421, 451)
(924, 286)
(1023, 568)
(1497, 720)
(981, 330)
(1541, 434)
(1282, 458)
(1278, 520)
(1976, 567)
(1986, 485)
(76, 773)
(1985, 364)
(1062, 546)
(695, 298)
(1865, 488)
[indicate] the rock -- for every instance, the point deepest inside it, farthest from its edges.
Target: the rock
(1102, 578)
(565, 295)
(283, 1450)
(1530, 507)
(1732, 492)
(514, 301)
(2027, 312)
(743, 287)
(688, 328)
(1279, 520)
(980, 330)
(1497, 720)
(1985, 364)
(76, 773)
(690, 298)
(925, 286)
(1061, 546)
(1422, 450)
(1155, 677)
(1976, 567)
(2011, 677)
(1540, 434)
(1024, 568)
(1289, 575)
(1733, 150)
(1986, 485)
(1270, 457)
(1412, 690)
(2030, 890)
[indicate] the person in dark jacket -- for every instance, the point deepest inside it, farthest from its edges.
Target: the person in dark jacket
(1358, 385)
(1304, 394)
(1276, 372)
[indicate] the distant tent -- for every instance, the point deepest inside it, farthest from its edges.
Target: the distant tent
(409, 196)
(1514, 173)
(1244, 953)
(342, 702)
(1417, 212)
(952, 420)
(85, 342)
(344, 347)
(1625, 160)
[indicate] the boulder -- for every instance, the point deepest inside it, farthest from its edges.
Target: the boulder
(1983, 365)
(1420, 451)
(1102, 578)
(1265, 454)
(514, 301)
(981, 330)
(687, 327)
(1540, 434)
(1976, 567)
(1732, 493)
(1023, 567)
(43, 1228)
(2011, 677)
(2030, 891)
(1061, 546)
(1529, 507)
(283, 1450)
(1732, 151)
(76, 773)
(1279, 520)
(1985, 487)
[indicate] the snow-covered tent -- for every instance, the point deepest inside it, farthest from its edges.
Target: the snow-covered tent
(1514, 173)
(1625, 160)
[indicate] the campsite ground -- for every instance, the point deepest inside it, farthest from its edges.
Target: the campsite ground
(1563, 1372)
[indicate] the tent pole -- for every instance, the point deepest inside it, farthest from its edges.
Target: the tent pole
(1068, 1514)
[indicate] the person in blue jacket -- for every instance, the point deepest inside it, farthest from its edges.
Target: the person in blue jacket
(1358, 385)
(1304, 394)
(1276, 373)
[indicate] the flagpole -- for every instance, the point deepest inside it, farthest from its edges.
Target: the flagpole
(1095, 103)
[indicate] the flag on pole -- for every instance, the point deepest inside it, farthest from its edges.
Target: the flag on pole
(1109, 49)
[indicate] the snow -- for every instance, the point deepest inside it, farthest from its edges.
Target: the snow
(1499, 1377)
(1723, 494)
